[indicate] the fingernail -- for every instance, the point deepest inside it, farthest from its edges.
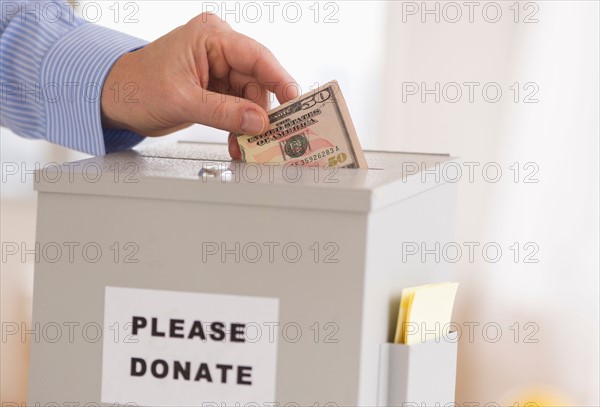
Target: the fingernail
(252, 122)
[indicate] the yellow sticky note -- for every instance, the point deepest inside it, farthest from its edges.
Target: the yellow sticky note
(407, 295)
(425, 312)
(429, 311)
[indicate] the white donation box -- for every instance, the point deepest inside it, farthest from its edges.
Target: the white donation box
(173, 276)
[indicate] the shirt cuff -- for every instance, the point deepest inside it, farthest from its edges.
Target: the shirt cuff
(72, 76)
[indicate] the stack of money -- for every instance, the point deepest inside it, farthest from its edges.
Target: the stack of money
(314, 129)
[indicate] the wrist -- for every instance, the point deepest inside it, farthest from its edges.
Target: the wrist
(111, 102)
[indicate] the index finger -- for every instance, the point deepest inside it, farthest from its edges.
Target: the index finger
(249, 57)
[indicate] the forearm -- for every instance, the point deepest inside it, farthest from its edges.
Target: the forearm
(52, 71)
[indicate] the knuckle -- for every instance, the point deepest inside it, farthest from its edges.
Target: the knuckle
(208, 20)
(208, 17)
(263, 51)
(267, 52)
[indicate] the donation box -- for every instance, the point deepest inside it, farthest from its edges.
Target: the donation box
(173, 276)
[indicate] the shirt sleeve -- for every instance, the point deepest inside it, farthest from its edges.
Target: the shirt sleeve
(52, 69)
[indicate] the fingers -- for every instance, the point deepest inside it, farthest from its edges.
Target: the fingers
(225, 112)
(228, 51)
(234, 147)
(248, 87)
(251, 58)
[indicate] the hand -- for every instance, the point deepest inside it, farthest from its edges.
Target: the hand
(202, 72)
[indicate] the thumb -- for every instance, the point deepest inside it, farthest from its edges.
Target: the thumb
(230, 113)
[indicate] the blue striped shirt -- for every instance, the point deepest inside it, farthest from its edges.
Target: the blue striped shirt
(52, 69)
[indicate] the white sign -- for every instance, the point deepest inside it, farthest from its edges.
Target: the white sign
(170, 348)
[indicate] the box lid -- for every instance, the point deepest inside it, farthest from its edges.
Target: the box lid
(204, 172)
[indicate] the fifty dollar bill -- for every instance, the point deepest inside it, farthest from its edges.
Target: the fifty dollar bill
(314, 129)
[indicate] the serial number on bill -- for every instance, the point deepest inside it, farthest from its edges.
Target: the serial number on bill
(318, 156)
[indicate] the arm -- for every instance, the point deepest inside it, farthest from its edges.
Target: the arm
(202, 72)
(52, 69)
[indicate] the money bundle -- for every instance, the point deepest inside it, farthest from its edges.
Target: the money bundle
(315, 130)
